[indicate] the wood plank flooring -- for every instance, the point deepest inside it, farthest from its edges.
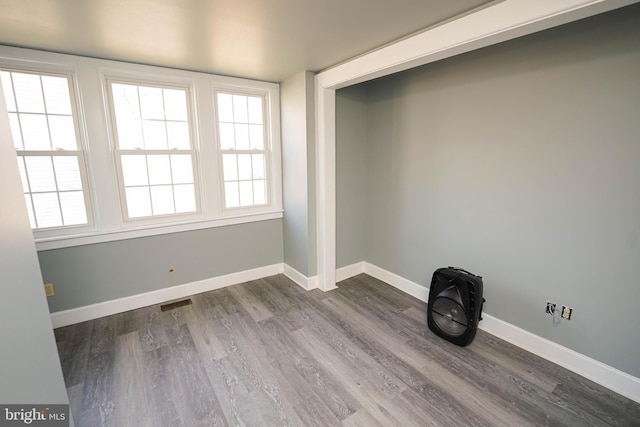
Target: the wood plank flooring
(268, 353)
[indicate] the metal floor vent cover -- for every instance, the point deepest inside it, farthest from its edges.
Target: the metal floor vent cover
(176, 304)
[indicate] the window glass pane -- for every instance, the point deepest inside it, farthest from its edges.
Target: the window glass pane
(230, 167)
(67, 173)
(232, 198)
(129, 134)
(73, 208)
(47, 209)
(7, 88)
(159, 169)
(240, 113)
(246, 193)
(28, 92)
(225, 108)
(151, 102)
(256, 137)
(244, 166)
(227, 136)
(155, 134)
(63, 134)
(23, 175)
(56, 95)
(32, 218)
(259, 192)
(35, 132)
(242, 137)
(182, 169)
(125, 101)
(40, 173)
(178, 135)
(185, 199)
(138, 202)
(14, 124)
(175, 104)
(255, 110)
(162, 200)
(134, 170)
(257, 165)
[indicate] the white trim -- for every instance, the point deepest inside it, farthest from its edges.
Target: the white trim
(348, 271)
(499, 22)
(326, 186)
(107, 308)
(605, 375)
(406, 286)
(307, 283)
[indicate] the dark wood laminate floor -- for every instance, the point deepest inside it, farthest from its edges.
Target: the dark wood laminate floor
(268, 353)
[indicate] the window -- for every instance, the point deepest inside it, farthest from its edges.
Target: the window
(243, 149)
(110, 150)
(45, 134)
(154, 151)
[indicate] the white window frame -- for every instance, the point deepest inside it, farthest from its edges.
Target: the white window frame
(271, 189)
(135, 79)
(97, 141)
(67, 71)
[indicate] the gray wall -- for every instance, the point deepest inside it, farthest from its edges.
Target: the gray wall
(521, 163)
(90, 274)
(30, 367)
(351, 144)
(298, 172)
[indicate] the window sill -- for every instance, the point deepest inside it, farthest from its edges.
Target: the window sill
(49, 243)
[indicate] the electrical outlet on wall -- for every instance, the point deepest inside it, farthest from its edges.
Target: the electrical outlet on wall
(551, 307)
(48, 289)
(567, 312)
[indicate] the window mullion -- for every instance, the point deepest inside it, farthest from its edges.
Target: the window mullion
(55, 180)
(21, 156)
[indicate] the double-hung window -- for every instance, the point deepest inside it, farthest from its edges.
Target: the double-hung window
(244, 149)
(44, 127)
(155, 154)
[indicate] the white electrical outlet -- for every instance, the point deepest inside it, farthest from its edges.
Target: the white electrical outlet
(566, 312)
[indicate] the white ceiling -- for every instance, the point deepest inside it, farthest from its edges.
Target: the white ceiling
(260, 39)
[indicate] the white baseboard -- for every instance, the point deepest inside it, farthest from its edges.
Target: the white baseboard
(300, 279)
(406, 286)
(344, 273)
(605, 375)
(120, 305)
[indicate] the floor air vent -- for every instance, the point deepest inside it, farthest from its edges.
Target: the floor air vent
(176, 304)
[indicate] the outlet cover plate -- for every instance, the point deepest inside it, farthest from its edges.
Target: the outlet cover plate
(551, 307)
(48, 289)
